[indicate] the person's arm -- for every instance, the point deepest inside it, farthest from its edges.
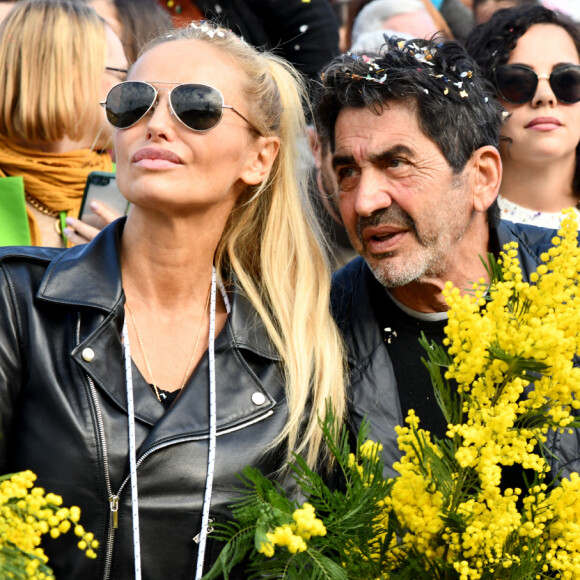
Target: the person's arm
(458, 16)
(438, 19)
(10, 362)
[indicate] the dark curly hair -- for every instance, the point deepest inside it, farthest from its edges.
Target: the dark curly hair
(491, 43)
(455, 106)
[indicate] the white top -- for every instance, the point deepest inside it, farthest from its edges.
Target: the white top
(428, 316)
(516, 213)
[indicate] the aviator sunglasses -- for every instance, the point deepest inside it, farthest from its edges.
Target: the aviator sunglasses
(517, 83)
(198, 107)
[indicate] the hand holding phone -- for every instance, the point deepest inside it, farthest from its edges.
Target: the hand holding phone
(102, 203)
(79, 232)
(102, 188)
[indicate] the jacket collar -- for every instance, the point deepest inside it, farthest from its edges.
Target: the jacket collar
(90, 276)
(532, 242)
(356, 317)
(87, 275)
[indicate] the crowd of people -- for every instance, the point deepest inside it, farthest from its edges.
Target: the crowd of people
(260, 147)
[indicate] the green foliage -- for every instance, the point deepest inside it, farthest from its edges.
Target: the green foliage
(449, 401)
(349, 515)
(13, 563)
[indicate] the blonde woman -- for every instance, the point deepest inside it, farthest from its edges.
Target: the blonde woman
(58, 61)
(188, 341)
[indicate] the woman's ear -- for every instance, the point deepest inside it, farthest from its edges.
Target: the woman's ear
(260, 160)
(486, 170)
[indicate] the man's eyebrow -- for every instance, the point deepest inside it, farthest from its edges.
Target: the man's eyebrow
(375, 158)
(389, 154)
(342, 160)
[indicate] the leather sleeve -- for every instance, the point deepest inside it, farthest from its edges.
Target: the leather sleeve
(10, 360)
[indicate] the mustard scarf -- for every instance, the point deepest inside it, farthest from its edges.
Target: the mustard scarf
(55, 180)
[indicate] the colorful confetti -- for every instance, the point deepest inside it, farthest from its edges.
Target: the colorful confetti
(423, 54)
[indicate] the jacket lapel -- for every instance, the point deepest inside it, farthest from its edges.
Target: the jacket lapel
(374, 392)
(89, 277)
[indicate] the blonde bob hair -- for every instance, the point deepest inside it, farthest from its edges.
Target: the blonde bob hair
(272, 243)
(53, 56)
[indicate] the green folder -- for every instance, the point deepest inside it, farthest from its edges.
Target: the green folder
(14, 230)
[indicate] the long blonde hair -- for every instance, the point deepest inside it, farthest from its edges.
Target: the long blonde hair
(53, 56)
(272, 242)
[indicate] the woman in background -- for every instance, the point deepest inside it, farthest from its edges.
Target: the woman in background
(188, 340)
(135, 22)
(532, 55)
(59, 60)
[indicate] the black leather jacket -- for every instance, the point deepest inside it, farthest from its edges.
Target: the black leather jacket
(374, 393)
(65, 417)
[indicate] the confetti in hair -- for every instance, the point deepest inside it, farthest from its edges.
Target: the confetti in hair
(211, 31)
(374, 73)
(424, 55)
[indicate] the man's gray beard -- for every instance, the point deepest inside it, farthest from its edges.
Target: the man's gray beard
(415, 267)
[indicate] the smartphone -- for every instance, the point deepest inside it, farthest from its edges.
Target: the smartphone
(102, 187)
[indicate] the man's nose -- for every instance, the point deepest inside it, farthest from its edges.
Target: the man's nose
(372, 194)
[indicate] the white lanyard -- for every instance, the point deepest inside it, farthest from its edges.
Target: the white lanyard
(132, 452)
(212, 433)
(212, 438)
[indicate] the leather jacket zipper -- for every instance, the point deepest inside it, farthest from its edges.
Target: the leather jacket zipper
(114, 499)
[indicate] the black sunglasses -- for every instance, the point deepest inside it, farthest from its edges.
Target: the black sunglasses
(198, 107)
(517, 83)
